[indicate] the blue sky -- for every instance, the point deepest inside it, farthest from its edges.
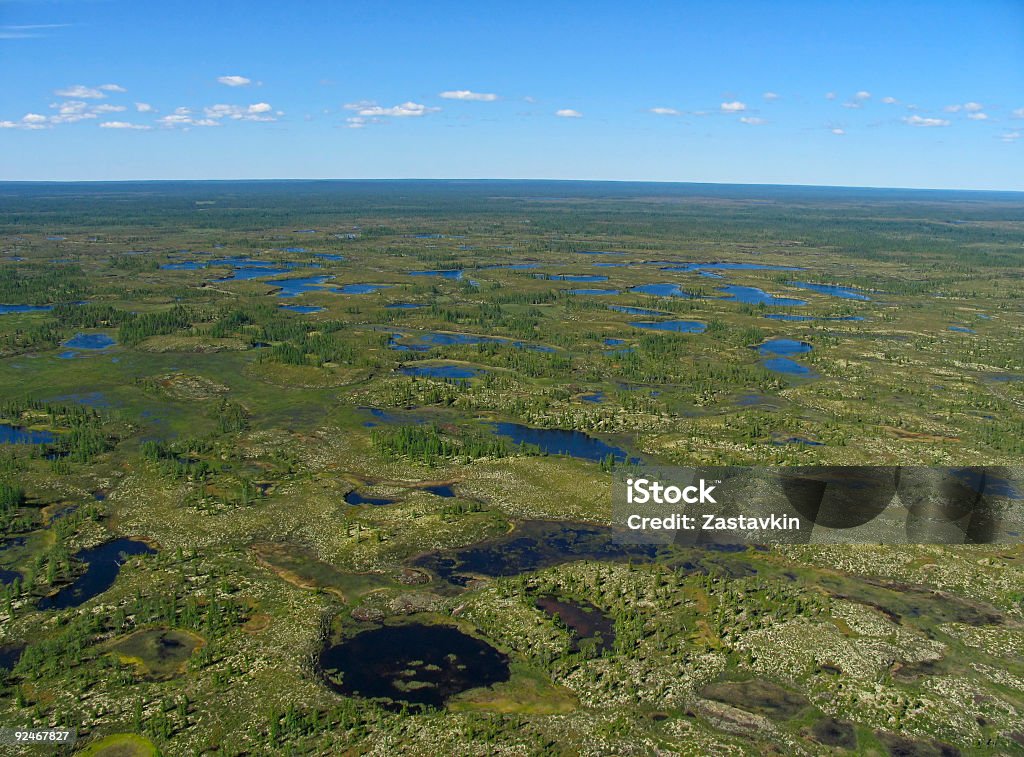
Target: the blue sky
(905, 94)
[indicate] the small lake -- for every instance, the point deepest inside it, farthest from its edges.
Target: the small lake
(557, 441)
(295, 287)
(755, 296)
(10, 654)
(294, 249)
(533, 545)
(610, 342)
(305, 309)
(360, 288)
(593, 397)
(661, 290)
(685, 327)
(788, 367)
(403, 306)
(8, 577)
(844, 293)
(442, 371)
(785, 347)
(637, 311)
(90, 342)
(415, 663)
(962, 330)
(19, 435)
(454, 275)
(582, 618)
(4, 309)
(103, 563)
(439, 490)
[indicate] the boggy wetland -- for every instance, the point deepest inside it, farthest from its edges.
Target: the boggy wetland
(325, 467)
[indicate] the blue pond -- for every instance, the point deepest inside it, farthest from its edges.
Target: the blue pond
(306, 309)
(593, 397)
(962, 329)
(510, 266)
(592, 291)
(294, 249)
(784, 347)
(441, 371)
(295, 287)
(787, 366)
(355, 498)
(610, 265)
(328, 256)
(556, 441)
(18, 435)
(609, 342)
(403, 306)
(247, 274)
(636, 311)
(24, 308)
(845, 293)
(360, 288)
(87, 342)
(104, 563)
(686, 327)
(440, 490)
(453, 274)
(779, 440)
(661, 290)
(755, 296)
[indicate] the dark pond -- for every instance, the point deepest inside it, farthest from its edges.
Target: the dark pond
(103, 564)
(755, 296)
(582, 618)
(962, 329)
(609, 342)
(758, 696)
(360, 288)
(355, 498)
(782, 439)
(636, 311)
(531, 546)
(19, 435)
(686, 327)
(10, 654)
(582, 277)
(8, 576)
(835, 733)
(455, 274)
(845, 293)
(24, 308)
(294, 249)
(592, 291)
(610, 265)
(254, 272)
(783, 347)
(416, 663)
(557, 441)
(295, 287)
(661, 290)
(441, 371)
(439, 490)
(594, 397)
(403, 306)
(302, 308)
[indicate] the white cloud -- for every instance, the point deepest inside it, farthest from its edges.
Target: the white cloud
(466, 94)
(80, 91)
(182, 117)
(234, 81)
(123, 125)
(922, 121)
(8, 125)
(953, 108)
(973, 107)
(862, 95)
(770, 96)
(733, 107)
(830, 95)
(664, 111)
(852, 104)
(568, 113)
(112, 88)
(107, 108)
(890, 100)
(838, 132)
(978, 116)
(1019, 113)
(254, 112)
(1010, 136)
(405, 110)
(143, 107)
(752, 120)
